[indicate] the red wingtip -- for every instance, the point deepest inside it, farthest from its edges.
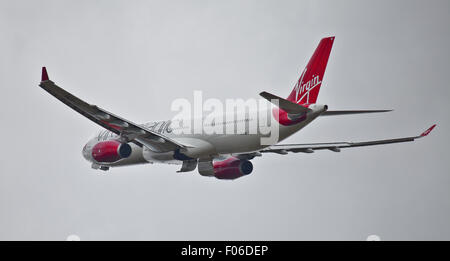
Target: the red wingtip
(44, 76)
(425, 133)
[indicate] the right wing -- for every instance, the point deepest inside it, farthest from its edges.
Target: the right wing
(127, 130)
(336, 146)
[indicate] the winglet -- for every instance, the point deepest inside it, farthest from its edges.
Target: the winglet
(425, 133)
(44, 76)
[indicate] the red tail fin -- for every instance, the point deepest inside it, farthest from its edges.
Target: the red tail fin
(307, 88)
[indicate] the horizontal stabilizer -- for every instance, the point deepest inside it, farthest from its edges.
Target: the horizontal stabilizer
(284, 104)
(348, 112)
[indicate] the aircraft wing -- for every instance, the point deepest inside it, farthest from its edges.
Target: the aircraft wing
(127, 130)
(337, 146)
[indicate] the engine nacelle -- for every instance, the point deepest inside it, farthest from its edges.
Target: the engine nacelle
(232, 168)
(110, 151)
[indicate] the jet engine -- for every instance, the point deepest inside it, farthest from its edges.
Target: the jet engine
(232, 168)
(110, 151)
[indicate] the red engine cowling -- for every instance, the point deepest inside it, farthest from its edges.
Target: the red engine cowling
(110, 151)
(232, 168)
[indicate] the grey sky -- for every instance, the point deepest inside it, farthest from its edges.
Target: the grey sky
(134, 57)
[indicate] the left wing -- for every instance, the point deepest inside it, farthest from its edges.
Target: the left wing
(334, 146)
(127, 130)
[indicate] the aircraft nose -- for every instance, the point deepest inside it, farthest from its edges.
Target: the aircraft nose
(86, 152)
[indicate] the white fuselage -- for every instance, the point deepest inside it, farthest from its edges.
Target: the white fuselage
(204, 145)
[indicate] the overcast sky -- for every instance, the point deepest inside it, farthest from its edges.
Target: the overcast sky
(135, 57)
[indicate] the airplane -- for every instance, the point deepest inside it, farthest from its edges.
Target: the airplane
(223, 156)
